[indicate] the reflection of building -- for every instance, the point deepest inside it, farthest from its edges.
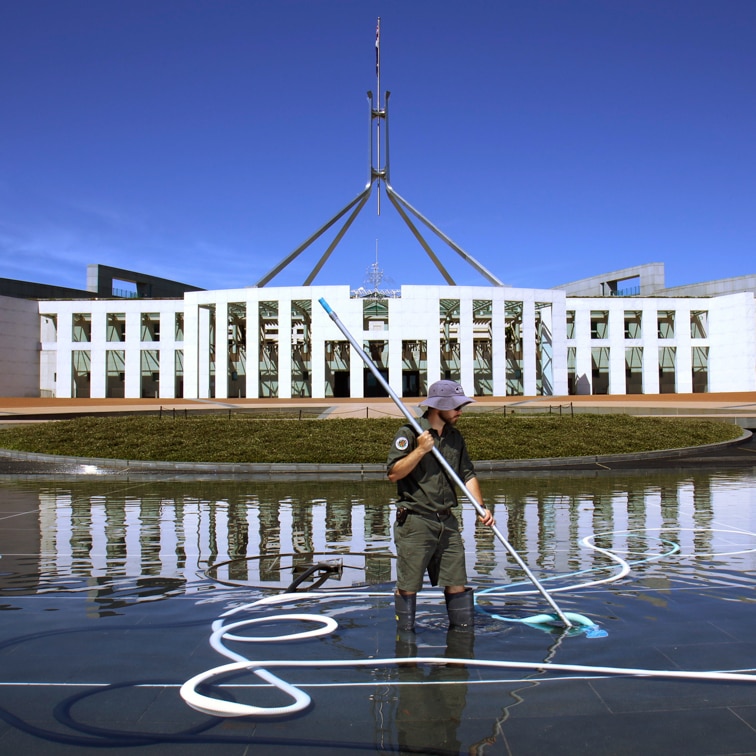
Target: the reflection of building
(279, 342)
(174, 536)
(167, 539)
(100, 538)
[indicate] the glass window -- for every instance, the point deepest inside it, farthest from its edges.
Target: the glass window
(150, 326)
(667, 362)
(666, 324)
(700, 363)
(374, 314)
(115, 375)
(81, 366)
(150, 373)
(116, 327)
(570, 324)
(633, 319)
(699, 324)
(634, 370)
(600, 369)
(82, 326)
(513, 314)
(599, 324)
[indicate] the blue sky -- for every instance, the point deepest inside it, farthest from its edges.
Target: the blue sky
(204, 140)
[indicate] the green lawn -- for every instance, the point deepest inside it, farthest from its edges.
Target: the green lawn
(240, 438)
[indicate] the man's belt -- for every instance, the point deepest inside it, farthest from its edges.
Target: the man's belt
(402, 512)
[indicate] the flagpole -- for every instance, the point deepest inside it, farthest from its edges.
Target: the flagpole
(378, 101)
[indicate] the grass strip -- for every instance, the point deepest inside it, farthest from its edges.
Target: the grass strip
(239, 438)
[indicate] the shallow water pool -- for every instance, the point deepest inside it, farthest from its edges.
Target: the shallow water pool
(115, 593)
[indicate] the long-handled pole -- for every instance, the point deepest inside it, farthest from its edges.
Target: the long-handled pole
(442, 460)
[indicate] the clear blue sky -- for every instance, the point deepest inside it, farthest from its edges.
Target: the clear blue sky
(204, 140)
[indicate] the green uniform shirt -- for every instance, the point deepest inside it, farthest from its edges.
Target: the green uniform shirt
(428, 489)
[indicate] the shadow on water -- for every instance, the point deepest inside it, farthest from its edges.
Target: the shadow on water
(110, 591)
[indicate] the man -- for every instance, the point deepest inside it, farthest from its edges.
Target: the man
(426, 532)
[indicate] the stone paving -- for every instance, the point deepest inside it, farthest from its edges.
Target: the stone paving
(735, 404)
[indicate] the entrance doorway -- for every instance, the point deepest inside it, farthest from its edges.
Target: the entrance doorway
(371, 386)
(411, 383)
(341, 384)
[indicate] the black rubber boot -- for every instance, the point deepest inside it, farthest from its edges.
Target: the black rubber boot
(404, 607)
(460, 608)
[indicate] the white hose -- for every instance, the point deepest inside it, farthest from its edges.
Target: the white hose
(301, 700)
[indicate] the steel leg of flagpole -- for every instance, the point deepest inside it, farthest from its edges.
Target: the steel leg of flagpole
(442, 460)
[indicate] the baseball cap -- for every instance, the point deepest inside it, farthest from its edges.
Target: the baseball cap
(446, 395)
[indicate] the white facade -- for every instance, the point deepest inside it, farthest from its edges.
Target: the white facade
(717, 334)
(101, 347)
(280, 342)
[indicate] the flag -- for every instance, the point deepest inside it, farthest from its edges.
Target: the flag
(378, 48)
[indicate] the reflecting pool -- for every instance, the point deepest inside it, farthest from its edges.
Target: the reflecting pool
(122, 600)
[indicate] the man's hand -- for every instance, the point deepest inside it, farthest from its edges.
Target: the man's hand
(405, 465)
(425, 442)
(473, 488)
(487, 518)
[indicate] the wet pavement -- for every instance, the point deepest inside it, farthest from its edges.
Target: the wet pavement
(115, 595)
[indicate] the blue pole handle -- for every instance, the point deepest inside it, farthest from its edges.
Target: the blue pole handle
(326, 307)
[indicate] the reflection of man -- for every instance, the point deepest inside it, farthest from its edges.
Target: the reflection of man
(432, 699)
(426, 531)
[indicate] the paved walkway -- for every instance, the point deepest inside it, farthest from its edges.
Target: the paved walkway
(733, 405)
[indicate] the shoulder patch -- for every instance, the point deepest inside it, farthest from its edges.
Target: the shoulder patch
(401, 443)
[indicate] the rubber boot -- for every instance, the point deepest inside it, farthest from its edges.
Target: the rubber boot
(404, 607)
(460, 608)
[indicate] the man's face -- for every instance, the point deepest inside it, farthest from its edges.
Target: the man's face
(450, 416)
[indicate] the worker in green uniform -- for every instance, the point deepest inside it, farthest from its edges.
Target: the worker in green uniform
(426, 531)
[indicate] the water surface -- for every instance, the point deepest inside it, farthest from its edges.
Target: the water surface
(110, 589)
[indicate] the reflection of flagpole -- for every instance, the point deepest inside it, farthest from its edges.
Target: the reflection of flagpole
(378, 101)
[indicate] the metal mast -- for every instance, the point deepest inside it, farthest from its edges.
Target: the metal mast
(377, 176)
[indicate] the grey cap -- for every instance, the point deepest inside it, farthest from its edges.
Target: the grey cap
(446, 395)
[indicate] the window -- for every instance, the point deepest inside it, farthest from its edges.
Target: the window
(513, 314)
(599, 324)
(634, 370)
(600, 370)
(82, 326)
(116, 328)
(699, 324)
(633, 319)
(150, 326)
(570, 324)
(666, 324)
(374, 314)
(115, 373)
(700, 364)
(667, 361)
(150, 373)
(81, 366)
(448, 314)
